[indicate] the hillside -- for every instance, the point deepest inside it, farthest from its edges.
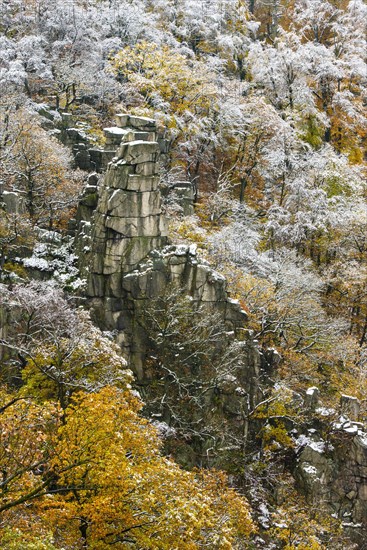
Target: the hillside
(183, 275)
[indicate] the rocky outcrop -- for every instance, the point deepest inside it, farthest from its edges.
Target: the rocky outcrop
(131, 260)
(180, 195)
(132, 265)
(128, 223)
(332, 470)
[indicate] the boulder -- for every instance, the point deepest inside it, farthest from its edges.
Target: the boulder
(13, 202)
(312, 398)
(350, 407)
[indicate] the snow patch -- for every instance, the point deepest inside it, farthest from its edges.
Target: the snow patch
(311, 470)
(37, 263)
(318, 446)
(323, 411)
(305, 441)
(362, 436)
(264, 518)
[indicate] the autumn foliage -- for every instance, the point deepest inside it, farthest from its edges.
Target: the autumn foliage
(94, 476)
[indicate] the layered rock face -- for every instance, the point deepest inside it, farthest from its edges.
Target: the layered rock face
(131, 261)
(336, 474)
(128, 221)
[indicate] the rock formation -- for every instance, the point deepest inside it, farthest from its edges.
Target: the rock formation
(131, 258)
(122, 248)
(331, 464)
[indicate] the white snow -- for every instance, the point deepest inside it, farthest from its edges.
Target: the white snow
(264, 517)
(37, 263)
(362, 436)
(323, 411)
(318, 446)
(305, 441)
(302, 441)
(309, 469)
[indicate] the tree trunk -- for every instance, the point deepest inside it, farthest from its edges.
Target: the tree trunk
(243, 188)
(83, 527)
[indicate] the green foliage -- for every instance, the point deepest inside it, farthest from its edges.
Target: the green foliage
(312, 132)
(335, 186)
(16, 269)
(15, 539)
(159, 73)
(88, 361)
(278, 413)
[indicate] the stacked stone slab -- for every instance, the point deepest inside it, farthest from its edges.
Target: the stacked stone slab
(130, 128)
(128, 222)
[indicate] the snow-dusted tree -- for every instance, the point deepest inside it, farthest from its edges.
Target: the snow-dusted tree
(16, 235)
(38, 168)
(247, 128)
(320, 192)
(55, 349)
(335, 46)
(281, 69)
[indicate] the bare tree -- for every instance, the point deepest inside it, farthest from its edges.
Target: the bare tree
(198, 372)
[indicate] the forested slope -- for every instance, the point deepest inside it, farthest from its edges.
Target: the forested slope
(260, 109)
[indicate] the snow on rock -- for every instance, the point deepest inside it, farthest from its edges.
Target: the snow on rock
(323, 411)
(53, 255)
(362, 438)
(304, 441)
(37, 263)
(318, 446)
(264, 517)
(311, 391)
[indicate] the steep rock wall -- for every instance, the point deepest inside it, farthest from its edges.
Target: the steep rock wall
(131, 259)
